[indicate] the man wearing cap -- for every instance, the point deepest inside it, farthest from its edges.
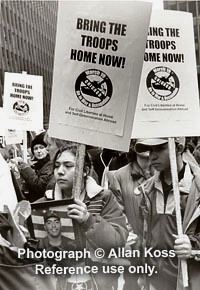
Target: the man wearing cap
(157, 217)
(54, 238)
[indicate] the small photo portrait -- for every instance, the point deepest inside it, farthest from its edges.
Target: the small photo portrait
(51, 225)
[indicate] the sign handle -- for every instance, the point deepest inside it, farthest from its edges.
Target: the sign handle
(77, 185)
(174, 173)
(24, 136)
(25, 151)
(78, 175)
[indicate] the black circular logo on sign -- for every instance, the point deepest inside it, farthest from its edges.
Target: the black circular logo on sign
(93, 88)
(21, 108)
(162, 83)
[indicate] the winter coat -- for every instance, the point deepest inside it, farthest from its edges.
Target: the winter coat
(105, 228)
(123, 183)
(106, 219)
(191, 227)
(37, 178)
(189, 188)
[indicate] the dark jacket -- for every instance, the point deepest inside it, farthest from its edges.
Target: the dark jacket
(189, 187)
(36, 178)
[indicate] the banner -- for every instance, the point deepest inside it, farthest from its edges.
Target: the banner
(168, 100)
(23, 101)
(98, 61)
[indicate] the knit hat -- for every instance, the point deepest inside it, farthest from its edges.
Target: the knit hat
(39, 139)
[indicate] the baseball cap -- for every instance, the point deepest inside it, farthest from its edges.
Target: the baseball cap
(49, 214)
(143, 145)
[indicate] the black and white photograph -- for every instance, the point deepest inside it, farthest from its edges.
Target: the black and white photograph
(50, 219)
(100, 145)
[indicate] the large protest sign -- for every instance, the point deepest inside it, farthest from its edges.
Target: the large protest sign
(98, 61)
(23, 101)
(168, 100)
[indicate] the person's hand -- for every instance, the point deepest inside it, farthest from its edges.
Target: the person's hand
(132, 239)
(182, 246)
(22, 211)
(17, 160)
(78, 211)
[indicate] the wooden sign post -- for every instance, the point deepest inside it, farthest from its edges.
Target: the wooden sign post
(25, 151)
(77, 185)
(78, 176)
(174, 173)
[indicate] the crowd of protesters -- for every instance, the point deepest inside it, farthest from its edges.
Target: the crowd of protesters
(126, 200)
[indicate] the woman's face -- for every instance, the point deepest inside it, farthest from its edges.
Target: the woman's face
(52, 148)
(39, 151)
(64, 170)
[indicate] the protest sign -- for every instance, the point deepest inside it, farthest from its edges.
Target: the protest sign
(8, 195)
(2, 123)
(98, 61)
(23, 101)
(13, 136)
(168, 100)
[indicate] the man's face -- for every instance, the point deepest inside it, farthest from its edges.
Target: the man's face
(53, 226)
(64, 170)
(159, 157)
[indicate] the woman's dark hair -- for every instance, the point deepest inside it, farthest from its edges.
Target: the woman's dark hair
(73, 149)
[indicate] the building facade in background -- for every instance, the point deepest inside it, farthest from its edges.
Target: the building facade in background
(194, 8)
(28, 32)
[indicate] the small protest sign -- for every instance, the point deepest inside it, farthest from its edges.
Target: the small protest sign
(98, 61)
(23, 101)
(168, 100)
(13, 136)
